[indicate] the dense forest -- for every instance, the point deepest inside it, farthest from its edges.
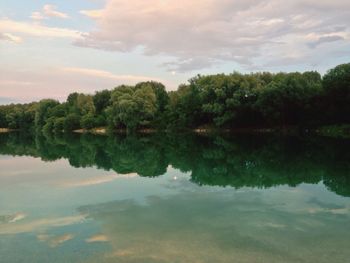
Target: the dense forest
(239, 161)
(256, 100)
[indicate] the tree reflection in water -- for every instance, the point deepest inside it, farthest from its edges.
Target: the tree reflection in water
(238, 161)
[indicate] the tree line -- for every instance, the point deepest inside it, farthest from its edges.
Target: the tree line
(218, 101)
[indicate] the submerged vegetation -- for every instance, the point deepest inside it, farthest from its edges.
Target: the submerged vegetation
(256, 100)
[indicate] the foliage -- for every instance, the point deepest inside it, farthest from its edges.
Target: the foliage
(43, 110)
(336, 84)
(72, 122)
(255, 100)
(87, 121)
(132, 107)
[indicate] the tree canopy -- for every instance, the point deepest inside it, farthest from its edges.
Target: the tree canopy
(255, 100)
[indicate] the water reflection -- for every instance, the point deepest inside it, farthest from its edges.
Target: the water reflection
(5, 219)
(225, 226)
(39, 224)
(172, 198)
(243, 161)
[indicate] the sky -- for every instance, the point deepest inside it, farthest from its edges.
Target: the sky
(49, 49)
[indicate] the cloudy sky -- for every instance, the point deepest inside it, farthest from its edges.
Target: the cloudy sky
(52, 48)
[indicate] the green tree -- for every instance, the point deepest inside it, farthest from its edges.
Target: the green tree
(88, 121)
(58, 124)
(42, 111)
(287, 100)
(49, 126)
(101, 100)
(85, 104)
(162, 101)
(336, 83)
(3, 121)
(72, 122)
(184, 109)
(132, 108)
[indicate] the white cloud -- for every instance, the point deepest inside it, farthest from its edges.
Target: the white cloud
(92, 13)
(37, 16)
(200, 33)
(48, 11)
(11, 38)
(108, 75)
(33, 29)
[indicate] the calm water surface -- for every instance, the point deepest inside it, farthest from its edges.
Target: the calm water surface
(166, 198)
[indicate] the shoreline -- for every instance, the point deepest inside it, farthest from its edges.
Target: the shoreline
(332, 131)
(101, 131)
(6, 130)
(335, 131)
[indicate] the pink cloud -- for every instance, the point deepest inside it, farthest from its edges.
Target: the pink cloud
(200, 33)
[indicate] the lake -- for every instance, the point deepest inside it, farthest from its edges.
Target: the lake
(174, 198)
